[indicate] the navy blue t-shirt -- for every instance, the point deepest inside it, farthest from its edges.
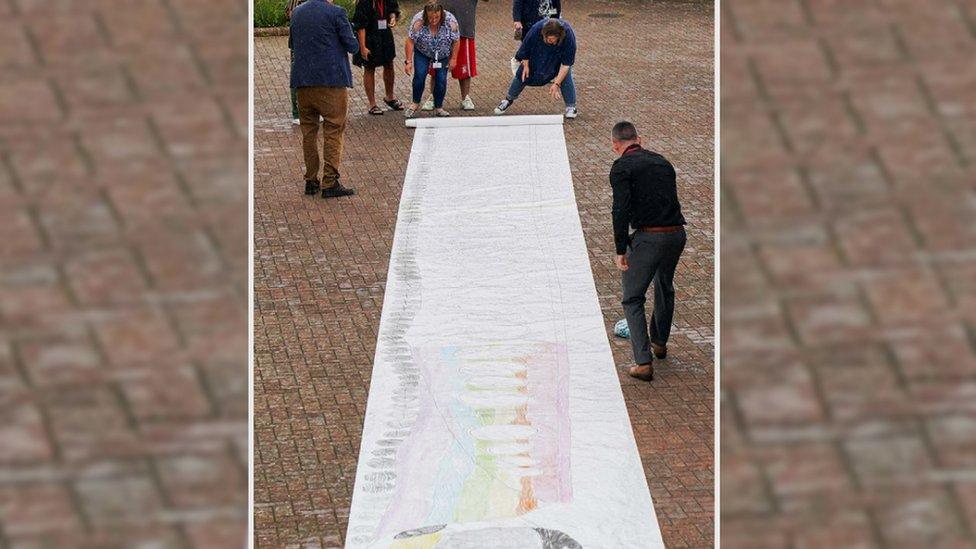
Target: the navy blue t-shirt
(544, 60)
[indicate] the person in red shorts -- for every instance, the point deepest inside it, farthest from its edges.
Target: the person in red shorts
(465, 11)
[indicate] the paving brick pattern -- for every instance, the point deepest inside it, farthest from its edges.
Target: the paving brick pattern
(320, 266)
(848, 268)
(123, 273)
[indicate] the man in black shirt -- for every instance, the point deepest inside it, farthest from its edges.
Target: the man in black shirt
(645, 196)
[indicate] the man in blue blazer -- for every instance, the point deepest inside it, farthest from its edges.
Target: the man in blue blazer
(322, 39)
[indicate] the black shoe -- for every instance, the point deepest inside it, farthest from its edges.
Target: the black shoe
(660, 351)
(311, 187)
(336, 191)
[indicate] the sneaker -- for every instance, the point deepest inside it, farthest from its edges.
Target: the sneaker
(442, 113)
(514, 63)
(311, 187)
(500, 109)
(467, 104)
(429, 104)
(409, 112)
(295, 121)
(336, 191)
(571, 112)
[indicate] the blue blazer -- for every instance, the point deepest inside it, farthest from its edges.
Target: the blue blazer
(322, 39)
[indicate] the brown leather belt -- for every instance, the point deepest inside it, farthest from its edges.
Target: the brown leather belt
(671, 229)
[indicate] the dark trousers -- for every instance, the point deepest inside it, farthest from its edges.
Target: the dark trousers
(330, 104)
(567, 88)
(653, 257)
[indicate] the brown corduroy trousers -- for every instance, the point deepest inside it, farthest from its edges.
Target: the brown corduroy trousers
(329, 103)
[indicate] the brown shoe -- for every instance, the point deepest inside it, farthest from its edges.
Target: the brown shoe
(643, 372)
(660, 351)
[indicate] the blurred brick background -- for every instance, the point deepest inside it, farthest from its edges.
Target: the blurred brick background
(848, 273)
(123, 273)
(320, 266)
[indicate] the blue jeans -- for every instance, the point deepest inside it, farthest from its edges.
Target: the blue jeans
(421, 63)
(567, 88)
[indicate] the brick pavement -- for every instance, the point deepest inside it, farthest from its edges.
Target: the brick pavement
(848, 261)
(123, 273)
(320, 266)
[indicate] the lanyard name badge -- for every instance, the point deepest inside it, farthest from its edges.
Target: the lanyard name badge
(381, 22)
(437, 64)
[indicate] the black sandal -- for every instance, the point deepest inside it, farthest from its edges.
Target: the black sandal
(375, 110)
(394, 104)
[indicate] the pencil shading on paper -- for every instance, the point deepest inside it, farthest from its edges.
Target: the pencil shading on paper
(495, 417)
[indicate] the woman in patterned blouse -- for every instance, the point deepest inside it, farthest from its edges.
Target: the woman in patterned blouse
(432, 44)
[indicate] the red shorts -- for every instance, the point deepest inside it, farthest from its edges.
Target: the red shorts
(467, 63)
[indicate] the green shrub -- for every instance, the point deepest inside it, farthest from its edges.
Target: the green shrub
(348, 5)
(271, 13)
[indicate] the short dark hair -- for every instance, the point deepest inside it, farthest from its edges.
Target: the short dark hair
(554, 28)
(624, 131)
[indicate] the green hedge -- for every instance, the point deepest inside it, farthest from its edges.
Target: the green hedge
(271, 13)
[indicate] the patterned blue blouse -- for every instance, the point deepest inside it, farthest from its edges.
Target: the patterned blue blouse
(427, 42)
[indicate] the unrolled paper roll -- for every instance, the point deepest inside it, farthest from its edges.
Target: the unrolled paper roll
(472, 121)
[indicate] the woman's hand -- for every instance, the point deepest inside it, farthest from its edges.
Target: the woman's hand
(393, 20)
(554, 91)
(364, 51)
(518, 25)
(525, 70)
(452, 63)
(408, 67)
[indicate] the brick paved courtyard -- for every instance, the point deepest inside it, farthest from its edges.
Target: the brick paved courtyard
(123, 273)
(320, 266)
(848, 269)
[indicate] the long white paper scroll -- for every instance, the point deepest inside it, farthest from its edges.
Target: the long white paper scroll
(495, 418)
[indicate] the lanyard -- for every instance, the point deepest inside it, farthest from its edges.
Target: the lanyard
(435, 41)
(380, 7)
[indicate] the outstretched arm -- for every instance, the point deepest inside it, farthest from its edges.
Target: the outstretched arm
(346, 36)
(408, 54)
(620, 182)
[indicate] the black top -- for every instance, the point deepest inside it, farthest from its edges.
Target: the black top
(644, 194)
(380, 44)
(368, 12)
(529, 12)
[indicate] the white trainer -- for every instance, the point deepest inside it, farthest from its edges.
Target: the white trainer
(500, 109)
(467, 104)
(295, 121)
(429, 104)
(571, 112)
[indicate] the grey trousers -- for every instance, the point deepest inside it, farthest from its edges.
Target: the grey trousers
(653, 257)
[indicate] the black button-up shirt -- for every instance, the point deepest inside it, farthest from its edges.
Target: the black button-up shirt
(644, 194)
